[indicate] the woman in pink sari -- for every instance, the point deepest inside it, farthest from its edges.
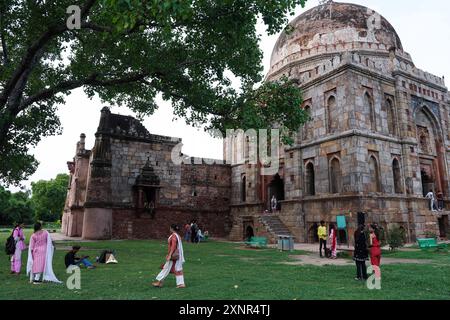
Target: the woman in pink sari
(332, 237)
(16, 258)
(40, 256)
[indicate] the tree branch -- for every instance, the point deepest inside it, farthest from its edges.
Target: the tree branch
(92, 80)
(33, 50)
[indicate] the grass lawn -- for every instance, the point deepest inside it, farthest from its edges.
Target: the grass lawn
(213, 269)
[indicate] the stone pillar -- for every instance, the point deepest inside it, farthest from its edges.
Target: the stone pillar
(97, 224)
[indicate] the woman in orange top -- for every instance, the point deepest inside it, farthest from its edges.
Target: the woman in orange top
(174, 260)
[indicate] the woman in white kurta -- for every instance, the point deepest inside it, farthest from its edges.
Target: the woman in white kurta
(174, 260)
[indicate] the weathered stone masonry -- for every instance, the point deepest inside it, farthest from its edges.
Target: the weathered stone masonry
(129, 187)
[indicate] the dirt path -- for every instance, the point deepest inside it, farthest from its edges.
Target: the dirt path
(303, 260)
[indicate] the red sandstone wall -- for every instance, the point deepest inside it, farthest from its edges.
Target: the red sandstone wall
(127, 225)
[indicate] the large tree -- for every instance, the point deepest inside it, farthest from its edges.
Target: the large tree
(48, 198)
(129, 51)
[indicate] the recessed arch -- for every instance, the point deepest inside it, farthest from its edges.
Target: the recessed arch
(333, 114)
(369, 108)
(335, 175)
(390, 115)
(374, 172)
(310, 188)
(308, 126)
(396, 172)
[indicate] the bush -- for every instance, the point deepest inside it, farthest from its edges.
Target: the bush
(396, 238)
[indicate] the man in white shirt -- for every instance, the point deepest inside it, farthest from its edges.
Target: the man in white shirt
(430, 195)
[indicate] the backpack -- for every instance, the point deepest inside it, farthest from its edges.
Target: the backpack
(10, 246)
(103, 256)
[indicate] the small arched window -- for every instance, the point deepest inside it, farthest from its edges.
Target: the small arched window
(310, 180)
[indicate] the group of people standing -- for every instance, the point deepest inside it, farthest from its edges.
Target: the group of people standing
(367, 243)
(194, 233)
(324, 237)
(40, 254)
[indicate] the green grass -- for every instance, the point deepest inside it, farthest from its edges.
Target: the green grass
(213, 269)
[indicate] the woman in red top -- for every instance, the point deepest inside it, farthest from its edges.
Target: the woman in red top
(375, 249)
(174, 260)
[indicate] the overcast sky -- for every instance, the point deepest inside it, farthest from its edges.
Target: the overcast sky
(423, 26)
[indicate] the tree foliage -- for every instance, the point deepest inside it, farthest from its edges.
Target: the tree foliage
(15, 207)
(128, 52)
(48, 198)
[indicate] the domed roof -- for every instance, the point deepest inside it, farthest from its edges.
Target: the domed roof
(336, 23)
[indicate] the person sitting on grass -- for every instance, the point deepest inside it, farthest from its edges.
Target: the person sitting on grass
(71, 259)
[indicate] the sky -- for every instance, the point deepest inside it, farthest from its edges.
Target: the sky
(423, 27)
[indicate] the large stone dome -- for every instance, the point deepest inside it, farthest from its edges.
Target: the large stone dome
(335, 25)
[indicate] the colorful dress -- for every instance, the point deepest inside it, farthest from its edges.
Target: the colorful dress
(176, 267)
(333, 243)
(16, 258)
(375, 251)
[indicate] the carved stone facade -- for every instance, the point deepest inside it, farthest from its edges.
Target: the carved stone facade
(378, 138)
(129, 187)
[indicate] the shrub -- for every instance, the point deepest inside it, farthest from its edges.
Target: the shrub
(396, 238)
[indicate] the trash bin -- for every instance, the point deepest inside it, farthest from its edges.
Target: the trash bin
(285, 243)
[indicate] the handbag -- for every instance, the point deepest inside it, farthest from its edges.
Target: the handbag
(175, 255)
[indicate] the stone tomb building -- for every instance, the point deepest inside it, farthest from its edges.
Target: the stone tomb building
(378, 139)
(377, 142)
(128, 186)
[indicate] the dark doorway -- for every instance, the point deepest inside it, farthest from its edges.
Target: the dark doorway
(342, 237)
(249, 233)
(427, 182)
(276, 188)
(443, 226)
(313, 237)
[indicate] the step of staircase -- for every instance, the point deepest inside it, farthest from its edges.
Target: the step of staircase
(275, 226)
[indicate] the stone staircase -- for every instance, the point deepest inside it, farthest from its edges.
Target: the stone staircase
(275, 226)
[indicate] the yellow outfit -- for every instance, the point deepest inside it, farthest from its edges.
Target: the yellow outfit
(322, 232)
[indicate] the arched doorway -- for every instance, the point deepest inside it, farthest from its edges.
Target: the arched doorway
(431, 151)
(312, 233)
(276, 189)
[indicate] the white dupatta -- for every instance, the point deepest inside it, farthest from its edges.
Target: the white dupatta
(180, 261)
(48, 276)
